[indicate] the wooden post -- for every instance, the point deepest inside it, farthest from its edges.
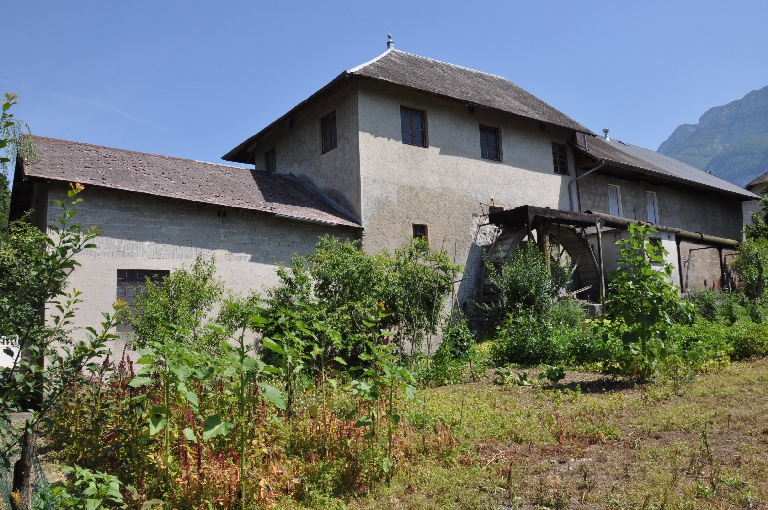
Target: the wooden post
(599, 225)
(542, 238)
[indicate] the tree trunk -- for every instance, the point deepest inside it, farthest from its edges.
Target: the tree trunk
(23, 472)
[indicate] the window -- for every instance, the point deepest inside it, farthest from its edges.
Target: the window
(652, 207)
(270, 160)
(614, 200)
(420, 232)
(328, 128)
(494, 209)
(129, 284)
(412, 127)
(489, 143)
(560, 158)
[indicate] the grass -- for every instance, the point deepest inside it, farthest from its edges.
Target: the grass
(591, 444)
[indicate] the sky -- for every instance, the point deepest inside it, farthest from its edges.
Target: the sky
(194, 79)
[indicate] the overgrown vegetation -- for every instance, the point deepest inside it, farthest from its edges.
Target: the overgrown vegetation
(350, 384)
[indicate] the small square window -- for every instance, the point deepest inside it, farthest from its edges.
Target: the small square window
(413, 127)
(489, 143)
(130, 282)
(328, 129)
(270, 160)
(420, 232)
(494, 209)
(560, 158)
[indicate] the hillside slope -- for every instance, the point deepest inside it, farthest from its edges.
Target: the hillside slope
(731, 141)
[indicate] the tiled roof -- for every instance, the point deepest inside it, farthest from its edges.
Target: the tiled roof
(467, 85)
(184, 179)
(758, 180)
(659, 166)
(438, 78)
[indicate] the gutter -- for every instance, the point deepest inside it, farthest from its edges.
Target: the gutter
(575, 179)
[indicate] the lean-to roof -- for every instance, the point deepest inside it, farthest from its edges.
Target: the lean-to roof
(183, 179)
(658, 167)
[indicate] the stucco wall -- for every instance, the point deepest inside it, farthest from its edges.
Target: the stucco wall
(677, 208)
(298, 148)
(612, 253)
(447, 185)
(144, 232)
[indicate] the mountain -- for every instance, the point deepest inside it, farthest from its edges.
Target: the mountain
(731, 141)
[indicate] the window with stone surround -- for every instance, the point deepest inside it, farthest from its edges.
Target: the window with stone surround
(420, 232)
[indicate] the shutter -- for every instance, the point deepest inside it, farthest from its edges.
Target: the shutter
(613, 201)
(650, 199)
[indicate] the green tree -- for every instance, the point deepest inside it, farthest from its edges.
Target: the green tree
(759, 227)
(46, 359)
(13, 143)
(643, 300)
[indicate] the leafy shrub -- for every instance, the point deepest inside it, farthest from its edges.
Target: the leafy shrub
(748, 340)
(749, 266)
(345, 287)
(527, 340)
(457, 340)
(178, 308)
(641, 299)
(89, 490)
(566, 313)
(524, 285)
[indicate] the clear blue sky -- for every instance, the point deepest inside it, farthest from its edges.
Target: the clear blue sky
(194, 79)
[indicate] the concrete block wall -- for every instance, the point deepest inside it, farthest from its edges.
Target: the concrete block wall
(144, 232)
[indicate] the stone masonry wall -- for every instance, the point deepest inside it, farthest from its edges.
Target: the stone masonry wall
(145, 232)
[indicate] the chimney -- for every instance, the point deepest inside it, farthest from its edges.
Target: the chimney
(390, 42)
(605, 132)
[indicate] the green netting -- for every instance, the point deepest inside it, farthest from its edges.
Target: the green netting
(41, 489)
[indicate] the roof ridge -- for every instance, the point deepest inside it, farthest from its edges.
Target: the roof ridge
(393, 50)
(357, 68)
(135, 152)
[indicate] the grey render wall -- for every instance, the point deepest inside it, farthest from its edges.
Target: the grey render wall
(298, 149)
(685, 210)
(144, 232)
(447, 186)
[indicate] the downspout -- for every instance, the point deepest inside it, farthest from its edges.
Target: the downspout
(570, 192)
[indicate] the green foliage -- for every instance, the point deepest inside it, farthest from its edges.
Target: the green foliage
(89, 490)
(554, 374)
(641, 299)
(33, 270)
(749, 266)
(13, 142)
(344, 287)
(457, 339)
(524, 285)
(176, 309)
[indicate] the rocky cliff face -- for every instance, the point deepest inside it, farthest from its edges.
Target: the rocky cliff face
(731, 141)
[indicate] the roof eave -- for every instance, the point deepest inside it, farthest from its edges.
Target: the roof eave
(243, 152)
(264, 210)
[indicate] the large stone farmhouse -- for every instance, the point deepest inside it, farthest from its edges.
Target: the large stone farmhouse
(400, 147)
